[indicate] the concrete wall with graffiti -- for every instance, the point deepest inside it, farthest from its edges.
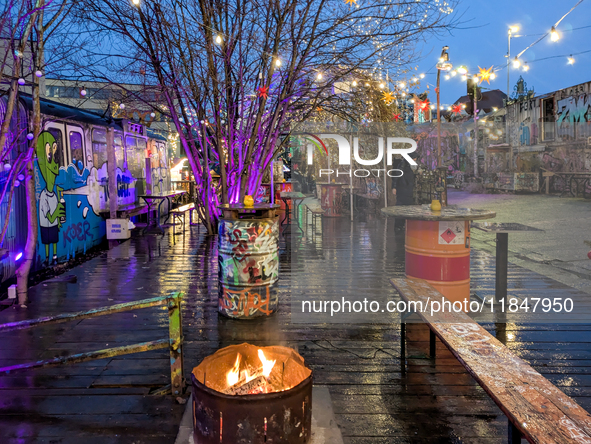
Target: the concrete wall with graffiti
(552, 131)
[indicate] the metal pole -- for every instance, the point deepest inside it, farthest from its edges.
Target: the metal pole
(351, 178)
(502, 259)
(438, 121)
(475, 130)
(508, 86)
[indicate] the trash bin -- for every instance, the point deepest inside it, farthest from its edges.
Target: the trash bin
(248, 261)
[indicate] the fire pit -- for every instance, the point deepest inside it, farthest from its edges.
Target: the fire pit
(244, 394)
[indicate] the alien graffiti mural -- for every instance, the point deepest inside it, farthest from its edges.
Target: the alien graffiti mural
(68, 222)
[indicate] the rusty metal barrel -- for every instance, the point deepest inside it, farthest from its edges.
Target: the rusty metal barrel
(439, 252)
(248, 267)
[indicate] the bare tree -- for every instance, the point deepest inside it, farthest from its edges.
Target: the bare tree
(25, 29)
(235, 75)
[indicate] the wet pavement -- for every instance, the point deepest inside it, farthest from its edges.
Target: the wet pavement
(109, 401)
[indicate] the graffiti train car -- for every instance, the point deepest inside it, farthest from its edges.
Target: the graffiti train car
(71, 179)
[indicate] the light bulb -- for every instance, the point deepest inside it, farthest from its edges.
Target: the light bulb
(354, 83)
(135, 2)
(476, 79)
(38, 73)
(554, 36)
(464, 77)
(319, 76)
(30, 136)
(278, 63)
(463, 70)
(402, 84)
(447, 77)
(83, 92)
(21, 177)
(454, 73)
(571, 60)
(382, 85)
(513, 28)
(422, 76)
(122, 106)
(21, 81)
(516, 63)
(493, 76)
(525, 67)
(218, 39)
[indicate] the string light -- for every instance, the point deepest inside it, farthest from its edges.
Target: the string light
(218, 39)
(382, 85)
(354, 83)
(514, 28)
(493, 76)
(319, 76)
(464, 77)
(135, 2)
(447, 77)
(525, 67)
(554, 36)
(402, 84)
(516, 63)
(454, 73)
(278, 63)
(571, 60)
(422, 76)
(463, 70)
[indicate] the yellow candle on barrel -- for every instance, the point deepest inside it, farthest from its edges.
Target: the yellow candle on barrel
(248, 201)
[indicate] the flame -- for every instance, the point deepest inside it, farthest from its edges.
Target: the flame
(267, 364)
(233, 375)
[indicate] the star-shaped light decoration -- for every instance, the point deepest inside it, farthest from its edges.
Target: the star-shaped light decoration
(456, 109)
(351, 2)
(388, 97)
(397, 117)
(263, 92)
(423, 104)
(485, 74)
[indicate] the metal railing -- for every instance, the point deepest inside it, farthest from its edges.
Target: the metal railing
(173, 343)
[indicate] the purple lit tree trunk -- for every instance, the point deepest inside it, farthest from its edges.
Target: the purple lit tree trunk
(237, 75)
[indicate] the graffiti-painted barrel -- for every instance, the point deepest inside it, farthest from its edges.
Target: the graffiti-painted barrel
(330, 198)
(248, 267)
(439, 252)
(437, 246)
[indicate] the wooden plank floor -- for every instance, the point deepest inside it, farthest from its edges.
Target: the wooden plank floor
(108, 401)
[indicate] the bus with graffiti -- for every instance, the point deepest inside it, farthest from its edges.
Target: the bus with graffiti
(71, 179)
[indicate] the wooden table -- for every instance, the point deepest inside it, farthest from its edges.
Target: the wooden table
(437, 245)
(151, 199)
(296, 197)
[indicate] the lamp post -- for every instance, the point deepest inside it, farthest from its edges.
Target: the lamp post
(443, 65)
(512, 29)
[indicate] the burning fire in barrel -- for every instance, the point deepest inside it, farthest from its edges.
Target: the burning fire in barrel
(246, 394)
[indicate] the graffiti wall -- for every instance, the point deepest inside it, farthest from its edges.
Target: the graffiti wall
(552, 133)
(248, 267)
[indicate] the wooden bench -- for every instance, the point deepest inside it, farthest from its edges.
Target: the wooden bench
(180, 214)
(536, 409)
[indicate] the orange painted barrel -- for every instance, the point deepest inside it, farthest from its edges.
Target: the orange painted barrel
(439, 252)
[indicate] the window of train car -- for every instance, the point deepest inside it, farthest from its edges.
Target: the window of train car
(119, 151)
(99, 147)
(77, 151)
(135, 148)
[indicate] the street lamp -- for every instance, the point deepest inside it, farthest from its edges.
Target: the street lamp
(443, 65)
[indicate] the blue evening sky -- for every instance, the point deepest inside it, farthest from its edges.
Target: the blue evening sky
(482, 41)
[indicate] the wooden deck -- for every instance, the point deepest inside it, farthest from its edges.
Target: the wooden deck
(108, 401)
